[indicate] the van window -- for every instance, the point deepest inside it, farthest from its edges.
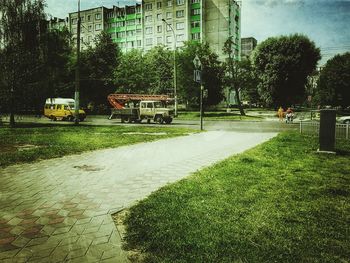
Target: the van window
(149, 105)
(143, 105)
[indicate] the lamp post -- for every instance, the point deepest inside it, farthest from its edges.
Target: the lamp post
(77, 72)
(174, 59)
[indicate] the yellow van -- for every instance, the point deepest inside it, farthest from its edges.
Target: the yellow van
(61, 109)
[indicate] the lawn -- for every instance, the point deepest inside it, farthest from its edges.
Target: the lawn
(34, 142)
(278, 202)
(217, 115)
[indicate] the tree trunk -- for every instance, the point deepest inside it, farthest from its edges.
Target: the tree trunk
(240, 107)
(12, 119)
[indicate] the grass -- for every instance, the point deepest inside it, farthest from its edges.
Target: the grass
(30, 143)
(216, 115)
(278, 202)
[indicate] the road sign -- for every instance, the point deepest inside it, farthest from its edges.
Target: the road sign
(197, 62)
(197, 75)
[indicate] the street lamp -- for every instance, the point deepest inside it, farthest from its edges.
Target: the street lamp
(77, 71)
(174, 58)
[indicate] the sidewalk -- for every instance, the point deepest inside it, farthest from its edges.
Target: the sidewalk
(59, 210)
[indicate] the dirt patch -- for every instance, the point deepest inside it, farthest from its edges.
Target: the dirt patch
(18, 147)
(144, 133)
(89, 168)
(133, 255)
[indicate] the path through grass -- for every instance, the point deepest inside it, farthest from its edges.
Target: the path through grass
(279, 202)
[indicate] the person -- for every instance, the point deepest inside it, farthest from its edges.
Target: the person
(280, 113)
(289, 115)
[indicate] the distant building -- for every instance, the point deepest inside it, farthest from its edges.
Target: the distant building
(248, 44)
(141, 25)
(57, 23)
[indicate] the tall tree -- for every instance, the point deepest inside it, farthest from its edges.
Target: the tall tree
(132, 64)
(159, 68)
(213, 74)
(21, 23)
(283, 65)
(232, 70)
(98, 64)
(334, 83)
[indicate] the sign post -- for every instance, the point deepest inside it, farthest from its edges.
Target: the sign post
(199, 78)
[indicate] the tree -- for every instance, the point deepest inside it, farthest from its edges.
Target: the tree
(213, 73)
(248, 81)
(283, 65)
(21, 23)
(97, 70)
(334, 83)
(232, 71)
(159, 67)
(130, 75)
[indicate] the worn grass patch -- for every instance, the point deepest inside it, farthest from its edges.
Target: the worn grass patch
(26, 144)
(279, 202)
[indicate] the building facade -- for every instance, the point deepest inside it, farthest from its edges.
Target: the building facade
(163, 22)
(248, 45)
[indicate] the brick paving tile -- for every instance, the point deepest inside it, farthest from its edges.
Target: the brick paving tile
(52, 211)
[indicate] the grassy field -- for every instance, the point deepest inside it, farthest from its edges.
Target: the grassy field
(216, 115)
(29, 143)
(278, 202)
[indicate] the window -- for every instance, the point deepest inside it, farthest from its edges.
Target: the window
(138, 42)
(90, 28)
(196, 36)
(120, 34)
(138, 21)
(180, 13)
(180, 26)
(159, 16)
(89, 39)
(168, 39)
(98, 27)
(89, 17)
(130, 33)
(148, 18)
(159, 40)
(130, 22)
(159, 5)
(149, 30)
(148, 7)
(168, 28)
(195, 1)
(159, 29)
(195, 12)
(98, 16)
(74, 21)
(131, 44)
(138, 31)
(82, 19)
(169, 15)
(169, 3)
(180, 2)
(195, 24)
(138, 9)
(149, 41)
(120, 24)
(180, 38)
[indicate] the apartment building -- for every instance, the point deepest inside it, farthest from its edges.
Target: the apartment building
(163, 22)
(248, 44)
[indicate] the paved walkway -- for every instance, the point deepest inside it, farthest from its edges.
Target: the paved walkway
(59, 210)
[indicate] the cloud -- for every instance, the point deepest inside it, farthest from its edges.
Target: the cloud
(274, 3)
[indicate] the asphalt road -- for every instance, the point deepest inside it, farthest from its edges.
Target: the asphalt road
(210, 125)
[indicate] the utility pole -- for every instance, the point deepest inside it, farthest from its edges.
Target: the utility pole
(77, 72)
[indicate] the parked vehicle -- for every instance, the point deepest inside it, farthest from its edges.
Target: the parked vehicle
(61, 109)
(137, 107)
(344, 119)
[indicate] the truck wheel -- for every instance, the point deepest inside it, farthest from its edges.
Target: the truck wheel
(129, 120)
(168, 121)
(160, 120)
(148, 121)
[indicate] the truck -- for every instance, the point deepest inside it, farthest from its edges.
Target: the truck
(138, 107)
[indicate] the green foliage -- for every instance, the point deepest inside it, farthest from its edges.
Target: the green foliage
(334, 83)
(131, 73)
(213, 73)
(22, 22)
(278, 202)
(248, 81)
(283, 65)
(97, 70)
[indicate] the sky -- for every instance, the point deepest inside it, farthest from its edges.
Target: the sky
(326, 22)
